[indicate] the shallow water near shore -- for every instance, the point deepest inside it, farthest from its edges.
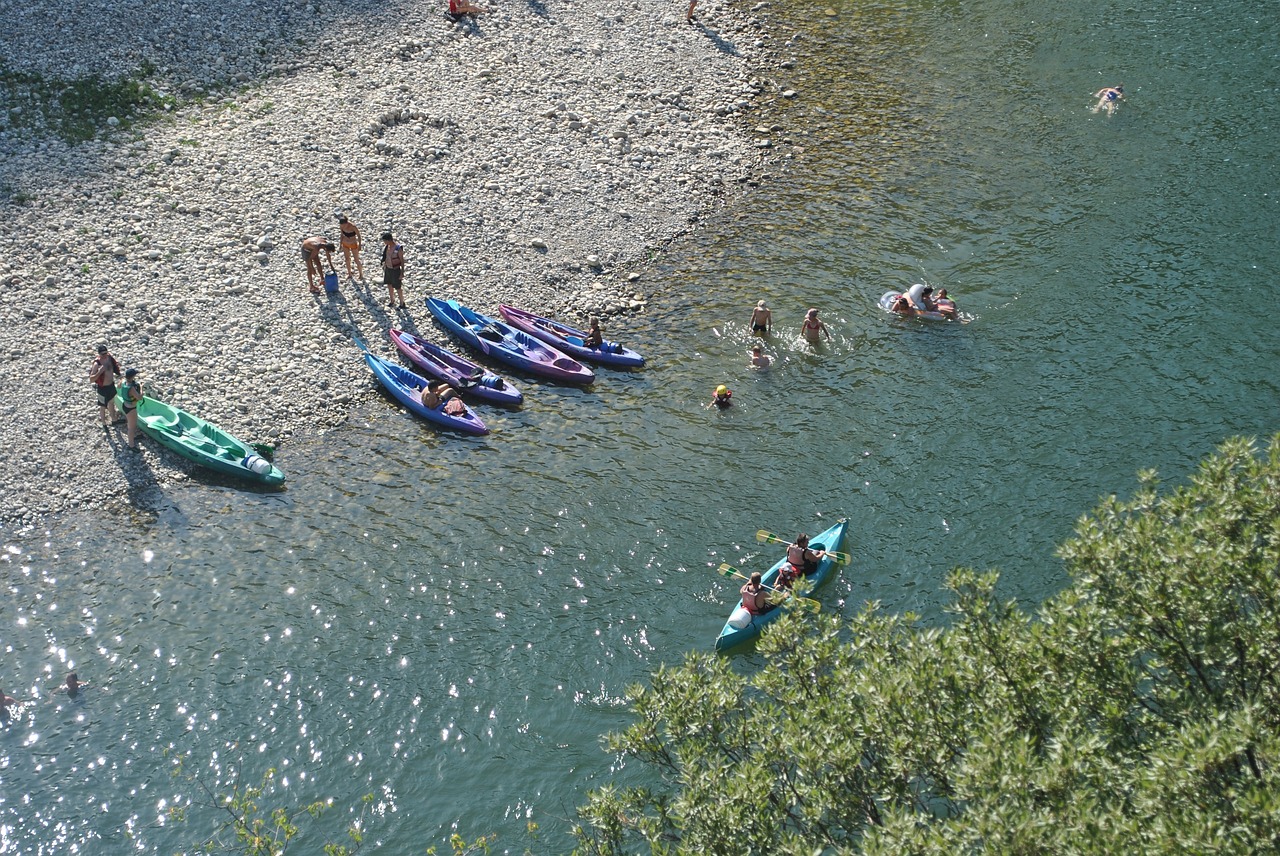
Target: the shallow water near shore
(450, 623)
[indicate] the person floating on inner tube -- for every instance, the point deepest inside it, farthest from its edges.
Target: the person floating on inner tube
(946, 305)
(721, 397)
(920, 297)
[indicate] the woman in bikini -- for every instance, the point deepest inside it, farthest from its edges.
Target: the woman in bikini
(812, 326)
(351, 245)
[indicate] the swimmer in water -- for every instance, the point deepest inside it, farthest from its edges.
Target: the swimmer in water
(1108, 98)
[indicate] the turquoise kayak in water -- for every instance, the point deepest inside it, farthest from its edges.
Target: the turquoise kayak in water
(742, 626)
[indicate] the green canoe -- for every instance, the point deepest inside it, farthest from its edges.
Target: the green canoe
(202, 442)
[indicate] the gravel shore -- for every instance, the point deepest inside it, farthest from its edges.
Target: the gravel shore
(534, 155)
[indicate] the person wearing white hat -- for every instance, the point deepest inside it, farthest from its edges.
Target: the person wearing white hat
(761, 319)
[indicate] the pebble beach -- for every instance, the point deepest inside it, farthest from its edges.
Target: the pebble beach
(536, 155)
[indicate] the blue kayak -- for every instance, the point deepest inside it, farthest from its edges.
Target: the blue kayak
(742, 626)
(407, 388)
(499, 340)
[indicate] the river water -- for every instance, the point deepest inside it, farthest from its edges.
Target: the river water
(450, 623)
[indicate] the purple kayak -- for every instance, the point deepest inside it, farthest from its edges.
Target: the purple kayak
(570, 339)
(495, 338)
(459, 372)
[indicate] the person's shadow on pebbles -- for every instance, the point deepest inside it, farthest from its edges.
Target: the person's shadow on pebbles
(140, 482)
(722, 44)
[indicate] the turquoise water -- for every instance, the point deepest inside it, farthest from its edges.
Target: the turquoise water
(450, 623)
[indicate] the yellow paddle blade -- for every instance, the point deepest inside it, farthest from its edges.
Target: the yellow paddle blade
(728, 571)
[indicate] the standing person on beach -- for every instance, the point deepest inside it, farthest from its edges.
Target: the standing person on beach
(311, 249)
(393, 268)
(103, 373)
(132, 398)
(761, 319)
(351, 245)
(812, 326)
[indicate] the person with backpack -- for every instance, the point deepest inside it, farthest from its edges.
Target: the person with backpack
(102, 374)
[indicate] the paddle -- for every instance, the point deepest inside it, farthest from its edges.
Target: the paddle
(807, 602)
(769, 538)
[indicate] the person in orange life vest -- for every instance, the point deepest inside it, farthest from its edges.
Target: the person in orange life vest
(721, 397)
(801, 561)
(755, 597)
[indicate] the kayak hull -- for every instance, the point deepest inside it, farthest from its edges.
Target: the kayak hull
(832, 539)
(493, 337)
(455, 370)
(406, 388)
(571, 340)
(202, 442)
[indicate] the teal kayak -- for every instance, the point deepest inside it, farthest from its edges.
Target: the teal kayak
(202, 442)
(742, 626)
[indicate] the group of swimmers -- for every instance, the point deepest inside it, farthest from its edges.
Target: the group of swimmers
(920, 298)
(71, 687)
(762, 323)
(758, 598)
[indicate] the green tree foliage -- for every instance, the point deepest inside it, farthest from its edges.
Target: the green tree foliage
(1135, 712)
